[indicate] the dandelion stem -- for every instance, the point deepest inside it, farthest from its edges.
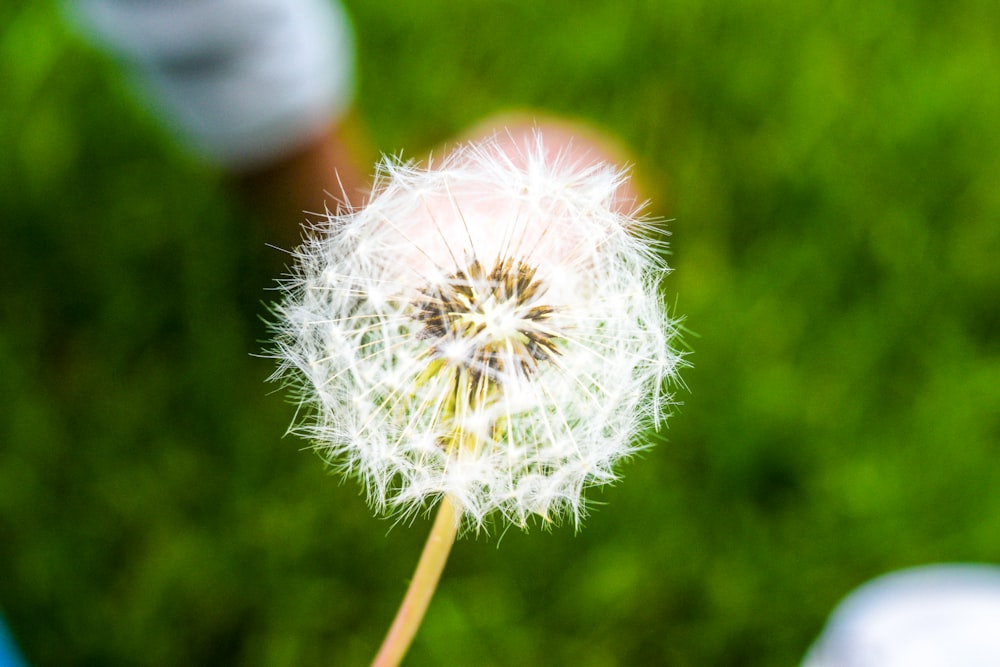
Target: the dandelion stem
(422, 586)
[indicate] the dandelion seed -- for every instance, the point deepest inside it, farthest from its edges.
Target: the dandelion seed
(488, 329)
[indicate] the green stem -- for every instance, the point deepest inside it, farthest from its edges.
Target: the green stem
(422, 586)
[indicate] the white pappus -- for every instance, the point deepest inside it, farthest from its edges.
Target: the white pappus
(488, 328)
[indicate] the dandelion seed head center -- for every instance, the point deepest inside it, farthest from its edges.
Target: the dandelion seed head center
(489, 322)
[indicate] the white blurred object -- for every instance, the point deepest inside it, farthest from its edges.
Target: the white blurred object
(242, 81)
(931, 616)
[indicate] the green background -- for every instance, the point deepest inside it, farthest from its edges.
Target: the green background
(832, 175)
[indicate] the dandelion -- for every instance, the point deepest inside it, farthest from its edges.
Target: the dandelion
(486, 332)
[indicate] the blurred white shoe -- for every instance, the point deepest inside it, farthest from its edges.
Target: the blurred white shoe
(932, 616)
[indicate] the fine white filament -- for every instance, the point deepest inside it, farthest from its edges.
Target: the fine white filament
(488, 328)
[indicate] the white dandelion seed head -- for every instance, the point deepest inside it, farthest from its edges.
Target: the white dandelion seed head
(487, 328)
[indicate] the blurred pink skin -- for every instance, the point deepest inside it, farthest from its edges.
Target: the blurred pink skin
(330, 171)
(571, 140)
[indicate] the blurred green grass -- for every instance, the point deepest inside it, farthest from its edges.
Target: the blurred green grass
(832, 174)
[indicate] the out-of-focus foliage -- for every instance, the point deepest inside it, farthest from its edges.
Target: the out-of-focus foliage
(832, 170)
